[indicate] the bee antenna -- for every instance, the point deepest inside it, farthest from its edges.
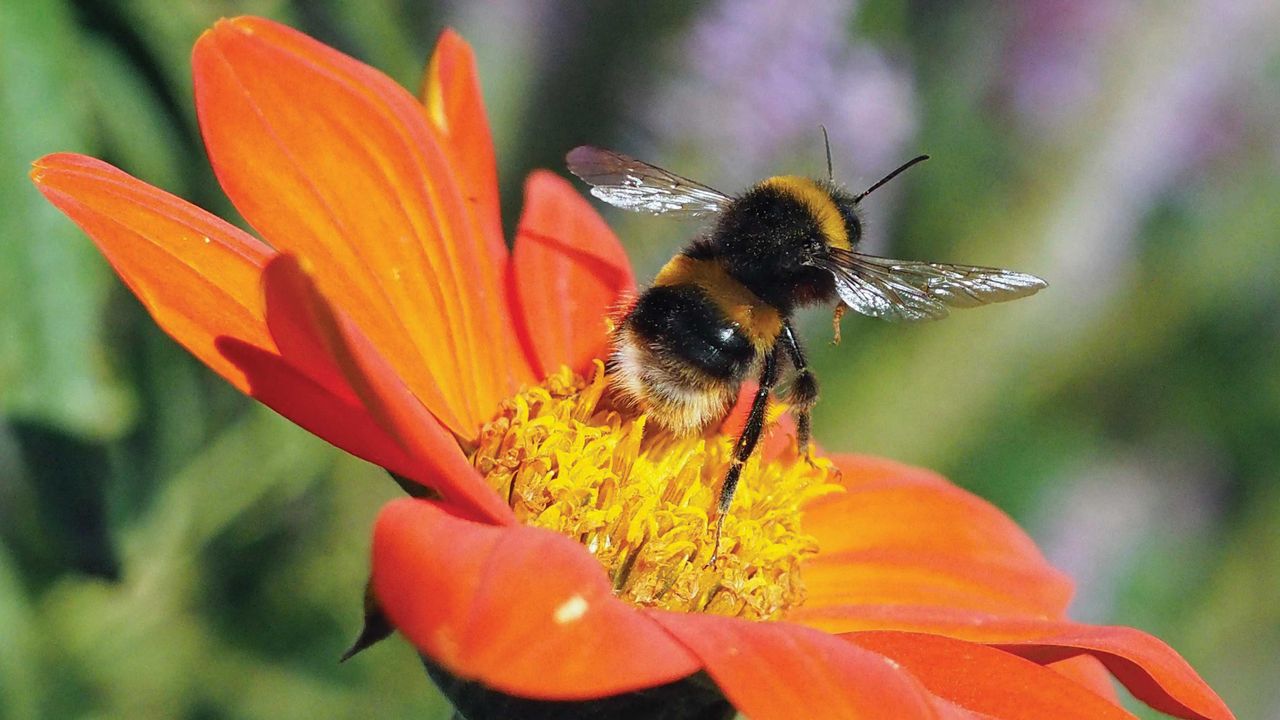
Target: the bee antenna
(826, 142)
(892, 175)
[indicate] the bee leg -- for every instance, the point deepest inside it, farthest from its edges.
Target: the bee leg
(746, 443)
(804, 391)
(835, 322)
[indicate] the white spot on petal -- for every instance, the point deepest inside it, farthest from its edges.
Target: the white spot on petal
(571, 610)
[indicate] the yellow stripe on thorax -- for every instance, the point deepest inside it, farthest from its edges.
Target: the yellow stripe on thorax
(760, 321)
(819, 202)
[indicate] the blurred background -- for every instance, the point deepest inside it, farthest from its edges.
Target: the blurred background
(170, 549)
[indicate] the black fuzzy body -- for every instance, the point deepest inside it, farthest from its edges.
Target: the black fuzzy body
(685, 322)
(716, 313)
(764, 240)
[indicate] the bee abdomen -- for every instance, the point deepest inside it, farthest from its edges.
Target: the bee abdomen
(683, 322)
(679, 358)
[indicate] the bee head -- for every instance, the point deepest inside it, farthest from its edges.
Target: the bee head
(847, 206)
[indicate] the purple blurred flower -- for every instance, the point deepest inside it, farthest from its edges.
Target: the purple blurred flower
(1057, 55)
(759, 77)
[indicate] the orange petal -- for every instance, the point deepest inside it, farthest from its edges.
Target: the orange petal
(521, 610)
(988, 681)
(303, 319)
(455, 107)
(331, 160)
(197, 275)
(1150, 669)
(281, 386)
(1085, 670)
(894, 576)
(904, 536)
(777, 670)
(570, 275)
(200, 278)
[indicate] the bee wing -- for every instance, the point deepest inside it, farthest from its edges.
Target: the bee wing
(907, 290)
(630, 184)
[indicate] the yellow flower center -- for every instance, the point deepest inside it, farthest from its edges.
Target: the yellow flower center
(643, 502)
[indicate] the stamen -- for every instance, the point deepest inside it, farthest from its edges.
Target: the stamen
(643, 500)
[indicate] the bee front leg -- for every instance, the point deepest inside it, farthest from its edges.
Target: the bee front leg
(746, 444)
(804, 390)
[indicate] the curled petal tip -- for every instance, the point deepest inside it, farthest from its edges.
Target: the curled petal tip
(243, 23)
(239, 24)
(46, 170)
(43, 164)
(449, 35)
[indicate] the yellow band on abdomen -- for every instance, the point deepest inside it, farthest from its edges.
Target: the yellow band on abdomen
(759, 320)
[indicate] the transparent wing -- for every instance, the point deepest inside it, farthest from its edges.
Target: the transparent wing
(910, 291)
(627, 183)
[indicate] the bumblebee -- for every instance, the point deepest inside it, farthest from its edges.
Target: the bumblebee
(721, 310)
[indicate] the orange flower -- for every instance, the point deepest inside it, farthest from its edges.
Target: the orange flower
(562, 555)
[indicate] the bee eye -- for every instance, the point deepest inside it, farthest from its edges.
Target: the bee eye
(855, 227)
(849, 214)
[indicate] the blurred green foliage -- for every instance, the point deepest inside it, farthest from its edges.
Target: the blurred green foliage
(168, 549)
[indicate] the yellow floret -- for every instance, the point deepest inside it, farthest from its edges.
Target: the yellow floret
(643, 502)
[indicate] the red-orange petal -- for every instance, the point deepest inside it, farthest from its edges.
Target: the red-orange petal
(1088, 672)
(894, 576)
(200, 278)
(778, 670)
(521, 610)
(985, 680)
(307, 319)
(197, 275)
(570, 275)
(331, 160)
(455, 107)
(1149, 668)
(904, 536)
(280, 385)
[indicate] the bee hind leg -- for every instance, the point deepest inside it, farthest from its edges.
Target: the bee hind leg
(835, 322)
(746, 444)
